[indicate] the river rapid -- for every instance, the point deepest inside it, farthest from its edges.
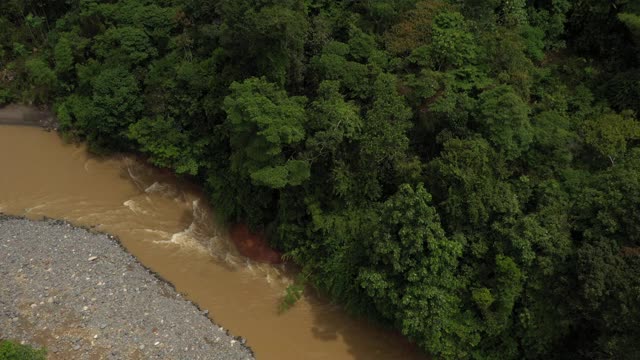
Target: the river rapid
(168, 225)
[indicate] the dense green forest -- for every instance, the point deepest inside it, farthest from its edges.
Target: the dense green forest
(465, 171)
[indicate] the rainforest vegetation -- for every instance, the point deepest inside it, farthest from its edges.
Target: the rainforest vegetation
(467, 172)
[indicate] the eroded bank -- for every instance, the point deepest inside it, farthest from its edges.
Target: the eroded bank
(167, 224)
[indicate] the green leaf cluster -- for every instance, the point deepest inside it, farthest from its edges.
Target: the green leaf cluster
(463, 171)
(10, 350)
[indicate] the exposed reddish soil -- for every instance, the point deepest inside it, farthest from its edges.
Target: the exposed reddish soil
(254, 246)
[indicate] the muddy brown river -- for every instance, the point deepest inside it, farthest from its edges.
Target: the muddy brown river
(167, 224)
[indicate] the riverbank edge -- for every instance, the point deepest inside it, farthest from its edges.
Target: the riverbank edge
(48, 122)
(203, 312)
(28, 115)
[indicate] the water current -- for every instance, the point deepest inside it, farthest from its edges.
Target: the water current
(169, 226)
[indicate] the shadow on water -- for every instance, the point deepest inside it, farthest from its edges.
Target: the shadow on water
(363, 338)
(167, 234)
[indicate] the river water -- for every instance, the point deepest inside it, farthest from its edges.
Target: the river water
(167, 224)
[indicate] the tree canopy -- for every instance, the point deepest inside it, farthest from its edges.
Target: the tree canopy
(464, 171)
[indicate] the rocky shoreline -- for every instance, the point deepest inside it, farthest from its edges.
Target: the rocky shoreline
(15, 114)
(82, 296)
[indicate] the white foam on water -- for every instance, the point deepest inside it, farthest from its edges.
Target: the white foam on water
(155, 187)
(135, 179)
(229, 259)
(186, 239)
(29, 210)
(249, 267)
(221, 247)
(203, 236)
(163, 189)
(136, 172)
(135, 207)
(160, 233)
(99, 213)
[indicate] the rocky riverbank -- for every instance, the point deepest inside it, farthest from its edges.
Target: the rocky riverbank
(15, 114)
(82, 296)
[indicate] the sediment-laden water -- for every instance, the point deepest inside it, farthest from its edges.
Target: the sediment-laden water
(167, 224)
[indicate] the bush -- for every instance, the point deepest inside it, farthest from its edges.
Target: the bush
(10, 350)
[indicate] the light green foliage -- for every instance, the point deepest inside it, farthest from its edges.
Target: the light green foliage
(10, 350)
(34, 22)
(554, 139)
(504, 121)
(550, 19)
(610, 134)
(452, 45)
(483, 298)
(508, 286)
(19, 49)
(632, 21)
(386, 123)
(264, 123)
(293, 293)
(168, 144)
(63, 55)
(466, 178)
(124, 45)
(411, 277)
(42, 79)
(40, 73)
(115, 92)
(332, 120)
(318, 121)
(534, 40)
(106, 113)
(156, 21)
(512, 13)
(333, 63)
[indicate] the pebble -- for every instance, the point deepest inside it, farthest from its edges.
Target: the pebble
(113, 312)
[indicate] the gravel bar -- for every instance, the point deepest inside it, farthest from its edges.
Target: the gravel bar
(82, 296)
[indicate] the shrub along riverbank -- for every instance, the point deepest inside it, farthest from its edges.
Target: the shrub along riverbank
(468, 172)
(10, 350)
